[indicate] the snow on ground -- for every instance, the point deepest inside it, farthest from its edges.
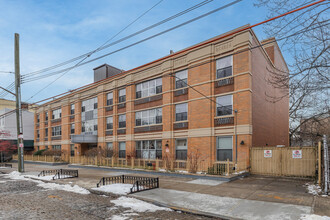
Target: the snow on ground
(40, 177)
(313, 189)
(118, 189)
(206, 182)
(4, 167)
(314, 217)
(137, 205)
(181, 171)
(51, 186)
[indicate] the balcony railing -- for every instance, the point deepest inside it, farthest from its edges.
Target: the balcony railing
(181, 92)
(148, 128)
(148, 99)
(180, 125)
(223, 121)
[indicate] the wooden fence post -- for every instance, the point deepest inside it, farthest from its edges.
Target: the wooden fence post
(227, 164)
(132, 162)
(157, 164)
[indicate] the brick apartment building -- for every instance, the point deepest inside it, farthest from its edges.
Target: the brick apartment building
(150, 111)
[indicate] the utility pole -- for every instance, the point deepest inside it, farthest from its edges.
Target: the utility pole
(19, 121)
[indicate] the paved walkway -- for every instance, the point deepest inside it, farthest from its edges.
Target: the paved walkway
(257, 196)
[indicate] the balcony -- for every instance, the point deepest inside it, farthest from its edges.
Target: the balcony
(223, 121)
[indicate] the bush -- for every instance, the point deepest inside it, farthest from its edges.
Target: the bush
(102, 152)
(39, 152)
(52, 153)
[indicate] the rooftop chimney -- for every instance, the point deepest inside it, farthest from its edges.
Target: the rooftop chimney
(105, 71)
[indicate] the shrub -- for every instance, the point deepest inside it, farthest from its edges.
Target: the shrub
(52, 153)
(39, 152)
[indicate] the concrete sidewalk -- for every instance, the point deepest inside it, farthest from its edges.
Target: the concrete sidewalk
(255, 197)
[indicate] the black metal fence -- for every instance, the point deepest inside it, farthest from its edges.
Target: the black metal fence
(6, 165)
(59, 174)
(139, 183)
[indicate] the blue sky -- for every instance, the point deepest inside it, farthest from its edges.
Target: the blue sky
(55, 31)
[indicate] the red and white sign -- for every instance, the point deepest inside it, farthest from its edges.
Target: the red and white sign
(297, 154)
(20, 136)
(21, 145)
(167, 150)
(268, 153)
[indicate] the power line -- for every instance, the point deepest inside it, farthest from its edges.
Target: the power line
(97, 48)
(138, 42)
(206, 42)
(301, 31)
(122, 39)
(6, 72)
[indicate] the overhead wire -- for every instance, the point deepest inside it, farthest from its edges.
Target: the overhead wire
(122, 39)
(209, 61)
(222, 36)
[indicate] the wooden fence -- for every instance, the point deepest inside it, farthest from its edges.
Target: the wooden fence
(41, 158)
(284, 161)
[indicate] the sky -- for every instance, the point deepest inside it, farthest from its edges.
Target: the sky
(55, 31)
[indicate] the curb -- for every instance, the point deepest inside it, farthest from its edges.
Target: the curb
(224, 179)
(42, 163)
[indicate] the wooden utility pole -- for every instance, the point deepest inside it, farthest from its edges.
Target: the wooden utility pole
(19, 121)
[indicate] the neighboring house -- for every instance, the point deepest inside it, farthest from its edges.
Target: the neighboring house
(150, 111)
(8, 127)
(312, 131)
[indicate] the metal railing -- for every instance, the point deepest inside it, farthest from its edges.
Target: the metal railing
(59, 174)
(6, 165)
(139, 183)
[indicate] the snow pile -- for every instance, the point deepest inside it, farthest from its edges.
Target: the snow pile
(137, 205)
(181, 171)
(39, 177)
(118, 189)
(66, 187)
(51, 186)
(314, 217)
(313, 189)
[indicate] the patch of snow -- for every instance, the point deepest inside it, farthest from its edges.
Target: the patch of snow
(51, 186)
(4, 167)
(181, 171)
(206, 182)
(240, 172)
(314, 217)
(66, 187)
(137, 205)
(118, 189)
(3, 181)
(40, 177)
(118, 217)
(313, 189)
(162, 170)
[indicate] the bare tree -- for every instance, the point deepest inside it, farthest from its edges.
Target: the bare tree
(307, 51)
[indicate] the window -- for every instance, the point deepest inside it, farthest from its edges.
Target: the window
(149, 88)
(225, 148)
(72, 128)
(56, 114)
(89, 105)
(38, 118)
(224, 67)
(109, 150)
(148, 117)
(109, 123)
(72, 109)
(46, 116)
(181, 79)
(122, 95)
(46, 132)
(122, 121)
(38, 134)
(224, 105)
(72, 150)
(149, 149)
(122, 149)
(56, 147)
(46, 147)
(2, 122)
(181, 112)
(181, 149)
(110, 98)
(89, 116)
(56, 131)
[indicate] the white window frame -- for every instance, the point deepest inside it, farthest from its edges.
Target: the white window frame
(232, 146)
(218, 68)
(217, 105)
(186, 103)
